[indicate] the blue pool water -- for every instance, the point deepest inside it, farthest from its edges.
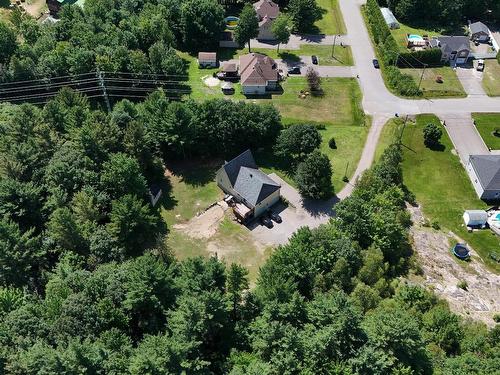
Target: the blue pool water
(415, 37)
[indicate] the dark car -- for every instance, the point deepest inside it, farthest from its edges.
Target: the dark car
(376, 64)
(294, 70)
(274, 216)
(266, 221)
(314, 59)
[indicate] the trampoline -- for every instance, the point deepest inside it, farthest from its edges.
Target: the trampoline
(461, 251)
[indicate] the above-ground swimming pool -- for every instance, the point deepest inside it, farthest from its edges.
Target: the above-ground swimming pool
(231, 22)
(415, 38)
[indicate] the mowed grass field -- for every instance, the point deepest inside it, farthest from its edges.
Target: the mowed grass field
(491, 78)
(440, 184)
(451, 86)
(332, 21)
(486, 124)
(339, 109)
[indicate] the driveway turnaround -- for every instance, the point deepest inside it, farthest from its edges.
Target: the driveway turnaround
(299, 213)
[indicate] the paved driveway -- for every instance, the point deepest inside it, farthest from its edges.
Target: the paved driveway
(299, 213)
(464, 136)
(471, 80)
(297, 40)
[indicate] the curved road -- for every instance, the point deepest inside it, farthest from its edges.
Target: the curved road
(380, 103)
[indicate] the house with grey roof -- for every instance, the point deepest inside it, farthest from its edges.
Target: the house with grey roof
(479, 32)
(253, 191)
(455, 49)
(484, 172)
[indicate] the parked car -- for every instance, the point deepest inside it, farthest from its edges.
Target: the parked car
(274, 216)
(314, 59)
(480, 66)
(376, 64)
(294, 70)
(264, 220)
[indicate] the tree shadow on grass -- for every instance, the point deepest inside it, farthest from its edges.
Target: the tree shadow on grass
(195, 172)
(436, 147)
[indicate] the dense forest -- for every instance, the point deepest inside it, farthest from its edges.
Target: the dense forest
(89, 287)
(443, 14)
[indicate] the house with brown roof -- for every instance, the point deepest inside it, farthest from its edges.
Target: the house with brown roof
(258, 74)
(267, 11)
(207, 59)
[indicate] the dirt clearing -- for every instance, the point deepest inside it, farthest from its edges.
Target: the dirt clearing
(442, 272)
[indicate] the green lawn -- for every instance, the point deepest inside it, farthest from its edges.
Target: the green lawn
(486, 123)
(400, 34)
(451, 86)
(491, 78)
(193, 189)
(339, 109)
(332, 21)
(342, 55)
(441, 185)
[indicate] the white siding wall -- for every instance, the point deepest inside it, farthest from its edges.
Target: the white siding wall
(267, 203)
(253, 90)
(265, 32)
(475, 181)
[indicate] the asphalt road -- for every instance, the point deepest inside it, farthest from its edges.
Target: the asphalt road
(376, 97)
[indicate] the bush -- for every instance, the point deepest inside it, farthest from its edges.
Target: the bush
(496, 318)
(435, 225)
(432, 135)
(462, 284)
(297, 141)
(314, 176)
(332, 144)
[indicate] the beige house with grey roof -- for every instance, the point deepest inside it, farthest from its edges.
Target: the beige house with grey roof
(253, 191)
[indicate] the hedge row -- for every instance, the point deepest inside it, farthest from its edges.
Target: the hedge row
(388, 51)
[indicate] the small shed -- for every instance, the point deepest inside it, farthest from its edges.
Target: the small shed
(475, 218)
(207, 59)
(389, 18)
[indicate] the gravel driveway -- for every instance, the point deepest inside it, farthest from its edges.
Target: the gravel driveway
(299, 213)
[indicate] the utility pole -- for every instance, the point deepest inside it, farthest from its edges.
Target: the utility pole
(422, 76)
(334, 42)
(403, 130)
(103, 88)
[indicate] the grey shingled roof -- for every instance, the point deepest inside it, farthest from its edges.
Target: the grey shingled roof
(478, 27)
(450, 44)
(487, 168)
(252, 184)
(232, 167)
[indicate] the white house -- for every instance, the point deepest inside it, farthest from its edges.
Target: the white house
(389, 18)
(484, 173)
(258, 74)
(267, 11)
(253, 190)
(455, 49)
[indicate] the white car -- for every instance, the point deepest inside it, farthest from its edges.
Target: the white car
(480, 65)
